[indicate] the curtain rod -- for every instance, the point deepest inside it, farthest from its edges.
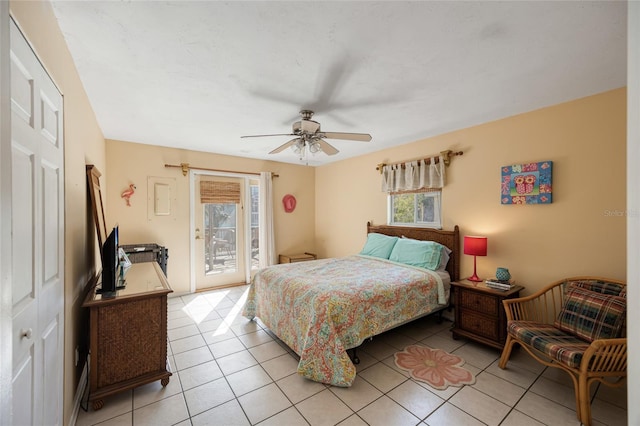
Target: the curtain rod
(185, 169)
(446, 156)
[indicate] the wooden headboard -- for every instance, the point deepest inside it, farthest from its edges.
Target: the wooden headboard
(450, 239)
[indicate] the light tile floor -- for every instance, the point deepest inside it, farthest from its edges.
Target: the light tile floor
(228, 370)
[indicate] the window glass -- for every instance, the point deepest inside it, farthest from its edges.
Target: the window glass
(255, 223)
(415, 209)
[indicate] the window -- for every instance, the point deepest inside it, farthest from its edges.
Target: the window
(415, 209)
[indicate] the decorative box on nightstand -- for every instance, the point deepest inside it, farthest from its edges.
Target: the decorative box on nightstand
(292, 258)
(479, 314)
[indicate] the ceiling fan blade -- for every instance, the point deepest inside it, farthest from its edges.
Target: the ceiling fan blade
(262, 136)
(284, 146)
(327, 148)
(363, 137)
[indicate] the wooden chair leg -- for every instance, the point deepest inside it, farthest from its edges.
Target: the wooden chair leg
(506, 352)
(584, 403)
(577, 386)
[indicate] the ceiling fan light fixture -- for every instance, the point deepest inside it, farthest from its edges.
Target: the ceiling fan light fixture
(314, 147)
(298, 147)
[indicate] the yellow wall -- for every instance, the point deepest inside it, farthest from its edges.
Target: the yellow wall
(84, 143)
(135, 163)
(581, 232)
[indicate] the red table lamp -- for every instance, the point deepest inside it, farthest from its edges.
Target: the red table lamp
(475, 246)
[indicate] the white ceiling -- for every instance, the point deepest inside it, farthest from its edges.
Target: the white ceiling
(198, 75)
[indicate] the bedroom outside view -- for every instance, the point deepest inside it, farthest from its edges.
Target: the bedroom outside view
(415, 209)
(220, 234)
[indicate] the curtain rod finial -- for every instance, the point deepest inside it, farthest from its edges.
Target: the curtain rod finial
(446, 156)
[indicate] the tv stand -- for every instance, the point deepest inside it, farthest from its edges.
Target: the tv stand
(128, 334)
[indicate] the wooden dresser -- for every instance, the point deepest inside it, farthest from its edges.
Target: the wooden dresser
(128, 334)
(479, 314)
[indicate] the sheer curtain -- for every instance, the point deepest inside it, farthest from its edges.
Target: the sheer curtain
(266, 238)
(414, 175)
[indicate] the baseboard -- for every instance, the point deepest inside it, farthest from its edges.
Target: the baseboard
(77, 403)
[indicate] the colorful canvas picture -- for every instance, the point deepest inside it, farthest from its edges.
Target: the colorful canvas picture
(528, 183)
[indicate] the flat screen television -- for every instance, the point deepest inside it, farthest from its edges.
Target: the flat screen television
(111, 280)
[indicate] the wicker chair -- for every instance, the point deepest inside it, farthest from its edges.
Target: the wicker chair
(595, 352)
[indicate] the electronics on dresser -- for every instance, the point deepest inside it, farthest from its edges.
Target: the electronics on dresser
(112, 269)
(125, 263)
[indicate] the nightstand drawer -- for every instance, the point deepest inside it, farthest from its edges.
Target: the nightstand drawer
(479, 312)
(480, 325)
(485, 303)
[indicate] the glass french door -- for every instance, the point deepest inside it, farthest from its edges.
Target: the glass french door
(225, 233)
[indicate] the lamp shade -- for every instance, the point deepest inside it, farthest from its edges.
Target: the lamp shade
(475, 246)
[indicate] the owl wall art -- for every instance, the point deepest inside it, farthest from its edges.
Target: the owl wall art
(528, 183)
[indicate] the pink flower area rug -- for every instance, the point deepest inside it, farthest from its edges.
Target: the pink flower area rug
(434, 366)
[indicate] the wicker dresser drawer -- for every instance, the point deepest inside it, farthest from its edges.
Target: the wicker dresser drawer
(480, 325)
(484, 303)
(479, 314)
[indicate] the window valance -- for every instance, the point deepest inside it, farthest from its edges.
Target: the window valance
(416, 176)
(426, 174)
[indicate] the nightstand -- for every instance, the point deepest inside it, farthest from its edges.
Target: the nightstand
(479, 314)
(292, 258)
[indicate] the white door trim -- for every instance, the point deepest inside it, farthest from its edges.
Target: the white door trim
(5, 220)
(633, 210)
(192, 219)
(192, 230)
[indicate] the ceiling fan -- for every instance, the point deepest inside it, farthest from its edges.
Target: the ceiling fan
(309, 136)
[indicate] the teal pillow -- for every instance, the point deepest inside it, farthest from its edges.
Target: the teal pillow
(424, 254)
(379, 245)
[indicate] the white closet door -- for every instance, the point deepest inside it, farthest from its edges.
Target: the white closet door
(37, 162)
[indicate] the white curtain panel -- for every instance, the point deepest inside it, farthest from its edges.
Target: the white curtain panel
(387, 179)
(416, 175)
(266, 237)
(412, 174)
(432, 176)
(398, 175)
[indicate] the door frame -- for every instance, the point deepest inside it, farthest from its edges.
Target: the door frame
(6, 323)
(246, 177)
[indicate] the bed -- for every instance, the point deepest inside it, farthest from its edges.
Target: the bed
(323, 308)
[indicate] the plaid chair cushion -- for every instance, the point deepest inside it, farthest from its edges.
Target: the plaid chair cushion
(591, 315)
(599, 287)
(549, 340)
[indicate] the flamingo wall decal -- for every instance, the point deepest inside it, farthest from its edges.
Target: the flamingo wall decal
(127, 193)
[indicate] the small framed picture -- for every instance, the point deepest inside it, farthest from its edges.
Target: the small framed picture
(528, 183)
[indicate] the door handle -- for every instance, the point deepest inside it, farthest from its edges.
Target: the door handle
(26, 333)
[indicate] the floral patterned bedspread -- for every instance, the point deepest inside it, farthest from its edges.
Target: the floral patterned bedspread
(321, 308)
